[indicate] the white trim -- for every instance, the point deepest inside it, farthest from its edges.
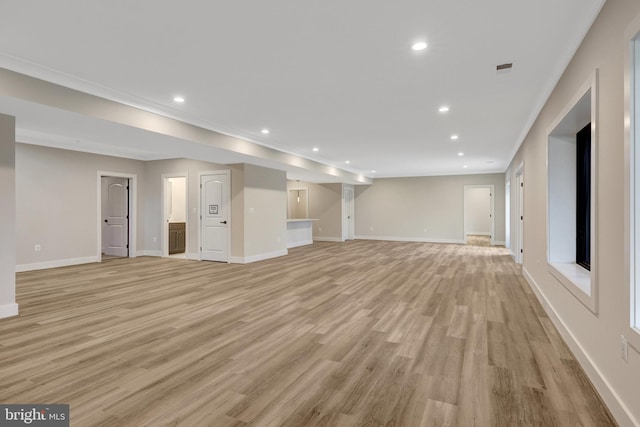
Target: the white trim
(614, 403)
(478, 233)
(631, 172)
(513, 256)
(498, 243)
(327, 239)
(164, 232)
(519, 201)
(348, 232)
(192, 256)
(260, 257)
(149, 252)
(8, 310)
(56, 263)
(300, 243)
(582, 285)
(410, 239)
(133, 210)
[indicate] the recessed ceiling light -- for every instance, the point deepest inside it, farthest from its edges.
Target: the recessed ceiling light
(348, 161)
(443, 109)
(465, 166)
(265, 131)
(373, 171)
(454, 137)
(461, 154)
(419, 46)
(178, 99)
(316, 149)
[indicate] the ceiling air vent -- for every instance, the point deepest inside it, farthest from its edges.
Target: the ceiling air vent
(502, 67)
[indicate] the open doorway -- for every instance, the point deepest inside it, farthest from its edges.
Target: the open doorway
(478, 215)
(175, 216)
(116, 221)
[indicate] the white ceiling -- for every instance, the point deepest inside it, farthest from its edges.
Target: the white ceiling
(337, 75)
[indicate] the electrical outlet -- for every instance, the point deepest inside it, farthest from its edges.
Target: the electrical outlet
(624, 349)
(38, 248)
(370, 228)
(425, 230)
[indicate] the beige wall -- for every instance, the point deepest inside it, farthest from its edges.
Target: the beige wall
(595, 338)
(7, 217)
(57, 206)
(56, 203)
(237, 211)
(265, 212)
(403, 208)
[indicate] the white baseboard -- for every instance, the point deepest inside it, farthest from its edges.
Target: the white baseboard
(513, 255)
(479, 233)
(498, 243)
(327, 239)
(256, 258)
(149, 253)
(302, 243)
(54, 264)
(410, 239)
(8, 310)
(193, 256)
(617, 407)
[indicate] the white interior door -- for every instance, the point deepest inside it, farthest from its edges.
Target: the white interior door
(348, 215)
(520, 218)
(214, 214)
(115, 231)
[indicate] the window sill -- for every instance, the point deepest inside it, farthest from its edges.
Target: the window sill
(576, 280)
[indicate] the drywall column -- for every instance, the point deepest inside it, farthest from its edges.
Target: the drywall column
(8, 306)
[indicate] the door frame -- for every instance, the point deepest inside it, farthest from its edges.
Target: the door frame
(164, 234)
(519, 202)
(230, 224)
(492, 192)
(349, 232)
(133, 226)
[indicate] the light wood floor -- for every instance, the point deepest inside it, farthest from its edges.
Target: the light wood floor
(353, 334)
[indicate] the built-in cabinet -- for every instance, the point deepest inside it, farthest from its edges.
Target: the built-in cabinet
(177, 237)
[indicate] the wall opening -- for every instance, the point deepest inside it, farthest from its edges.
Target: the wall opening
(571, 175)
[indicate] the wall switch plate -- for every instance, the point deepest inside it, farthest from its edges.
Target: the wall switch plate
(38, 248)
(624, 349)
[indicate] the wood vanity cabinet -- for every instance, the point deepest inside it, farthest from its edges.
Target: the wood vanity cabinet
(177, 237)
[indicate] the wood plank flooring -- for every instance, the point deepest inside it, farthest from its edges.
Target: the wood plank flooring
(355, 334)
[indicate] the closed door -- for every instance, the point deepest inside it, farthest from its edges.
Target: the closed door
(214, 217)
(520, 219)
(115, 208)
(348, 221)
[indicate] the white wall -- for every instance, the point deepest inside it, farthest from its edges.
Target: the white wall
(421, 208)
(8, 306)
(595, 339)
(477, 210)
(177, 194)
